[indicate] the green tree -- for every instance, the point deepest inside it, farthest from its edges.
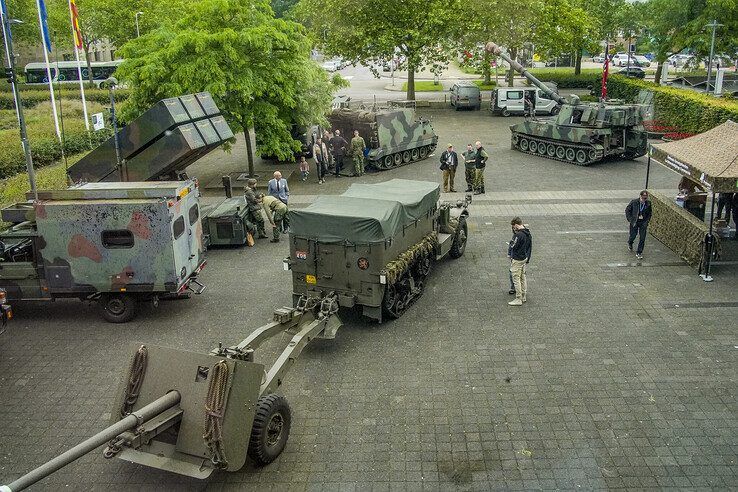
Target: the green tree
(566, 27)
(256, 67)
(367, 32)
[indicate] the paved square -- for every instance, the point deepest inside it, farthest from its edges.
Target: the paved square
(612, 375)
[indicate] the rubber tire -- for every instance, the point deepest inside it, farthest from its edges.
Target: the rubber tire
(505, 112)
(457, 250)
(117, 308)
(266, 408)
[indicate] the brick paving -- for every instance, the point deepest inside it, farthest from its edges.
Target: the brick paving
(599, 381)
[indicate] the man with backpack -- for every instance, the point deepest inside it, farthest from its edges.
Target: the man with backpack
(520, 252)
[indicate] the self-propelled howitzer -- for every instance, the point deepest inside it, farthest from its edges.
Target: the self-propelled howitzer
(582, 133)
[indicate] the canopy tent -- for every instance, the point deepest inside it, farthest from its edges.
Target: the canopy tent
(709, 158)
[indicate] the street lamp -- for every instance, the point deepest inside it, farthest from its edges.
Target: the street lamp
(11, 74)
(714, 26)
(137, 31)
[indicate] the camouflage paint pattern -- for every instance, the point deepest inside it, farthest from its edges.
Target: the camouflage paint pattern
(69, 255)
(164, 140)
(394, 136)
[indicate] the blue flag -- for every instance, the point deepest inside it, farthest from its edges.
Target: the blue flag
(44, 24)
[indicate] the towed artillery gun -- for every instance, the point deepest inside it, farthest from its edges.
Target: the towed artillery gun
(395, 137)
(374, 246)
(167, 395)
(581, 133)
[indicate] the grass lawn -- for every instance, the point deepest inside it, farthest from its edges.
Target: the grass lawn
(485, 87)
(13, 189)
(424, 86)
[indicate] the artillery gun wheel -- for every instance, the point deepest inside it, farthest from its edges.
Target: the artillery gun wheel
(397, 159)
(117, 308)
(459, 245)
(270, 429)
(551, 150)
(423, 152)
(406, 157)
(581, 157)
(560, 152)
(414, 154)
(524, 144)
(387, 161)
(570, 154)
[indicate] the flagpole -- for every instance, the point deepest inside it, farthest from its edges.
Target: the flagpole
(79, 69)
(7, 57)
(48, 71)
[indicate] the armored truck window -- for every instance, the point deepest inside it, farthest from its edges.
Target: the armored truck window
(178, 227)
(194, 214)
(119, 238)
(515, 95)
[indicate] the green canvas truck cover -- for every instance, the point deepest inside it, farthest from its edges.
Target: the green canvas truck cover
(365, 214)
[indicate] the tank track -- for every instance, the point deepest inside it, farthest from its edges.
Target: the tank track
(405, 290)
(562, 151)
(397, 159)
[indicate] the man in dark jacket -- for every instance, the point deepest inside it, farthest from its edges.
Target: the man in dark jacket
(449, 161)
(638, 213)
(520, 252)
(480, 162)
(338, 146)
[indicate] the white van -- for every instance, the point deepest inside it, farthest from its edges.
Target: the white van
(510, 100)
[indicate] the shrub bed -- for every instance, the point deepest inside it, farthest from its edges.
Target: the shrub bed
(565, 79)
(30, 98)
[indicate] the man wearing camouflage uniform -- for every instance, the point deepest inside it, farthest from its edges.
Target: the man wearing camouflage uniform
(357, 153)
(253, 214)
(480, 162)
(469, 159)
(276, 212)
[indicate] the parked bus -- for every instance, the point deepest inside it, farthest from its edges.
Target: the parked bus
(66, 72)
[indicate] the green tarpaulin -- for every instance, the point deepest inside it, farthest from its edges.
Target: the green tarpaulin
(365, 213)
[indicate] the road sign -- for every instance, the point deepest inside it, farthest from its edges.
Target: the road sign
(98, 121)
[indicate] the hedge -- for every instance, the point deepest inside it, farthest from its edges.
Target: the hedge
(685, 110)
(567, 79)
(31, 98)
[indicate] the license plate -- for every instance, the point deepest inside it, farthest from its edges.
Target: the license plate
(311, 279)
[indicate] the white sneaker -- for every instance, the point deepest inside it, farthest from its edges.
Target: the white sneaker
(515, 302)
(640, 257)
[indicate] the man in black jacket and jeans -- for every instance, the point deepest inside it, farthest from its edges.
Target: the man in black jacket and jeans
(520, 252)
(638, 213)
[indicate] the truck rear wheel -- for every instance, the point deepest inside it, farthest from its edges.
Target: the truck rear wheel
(270, 430)
(459, 246)
(118, 308)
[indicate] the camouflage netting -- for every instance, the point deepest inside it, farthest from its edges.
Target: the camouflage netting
(677, 229)
(399, 266)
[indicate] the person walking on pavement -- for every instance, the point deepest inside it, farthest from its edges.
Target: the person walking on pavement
(520, 252)
(253, 204)
(338, 146)
(357, 153)
(480, 162)
(276, 212)
(320, 154)
(449, 161)
(638, 213)
(469, 160)
(725, 201)
(278, 188)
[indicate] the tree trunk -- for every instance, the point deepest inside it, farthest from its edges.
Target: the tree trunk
(578, 63)
(249, 150)
(511, 72)
(90, 76)
(410, 96)
(659, 71)
(486, 69)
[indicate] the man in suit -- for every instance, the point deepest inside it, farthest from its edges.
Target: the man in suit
(278, 188)
(449, 161)
(638, 213)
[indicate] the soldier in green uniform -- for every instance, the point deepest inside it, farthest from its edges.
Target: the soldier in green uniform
(480, 162)
(357, 152)
(469, 159)
(276, 212)
(254, 208)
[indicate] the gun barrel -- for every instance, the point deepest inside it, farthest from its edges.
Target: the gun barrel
(496, 50)
(130, 422)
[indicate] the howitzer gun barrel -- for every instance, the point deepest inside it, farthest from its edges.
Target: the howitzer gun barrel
(130, 422)
(496, 50)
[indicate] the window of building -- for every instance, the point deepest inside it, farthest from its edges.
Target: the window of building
(178, 227)
(117, 238)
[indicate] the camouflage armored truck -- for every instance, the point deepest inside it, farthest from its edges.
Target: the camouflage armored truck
(581, 133)
(114, 243)
(374, 245)
(395, 137)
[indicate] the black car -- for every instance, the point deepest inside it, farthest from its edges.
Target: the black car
(633, 73)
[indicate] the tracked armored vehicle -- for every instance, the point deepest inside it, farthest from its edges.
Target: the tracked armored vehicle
(395, 137)
(374, 245)
(582, 133)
